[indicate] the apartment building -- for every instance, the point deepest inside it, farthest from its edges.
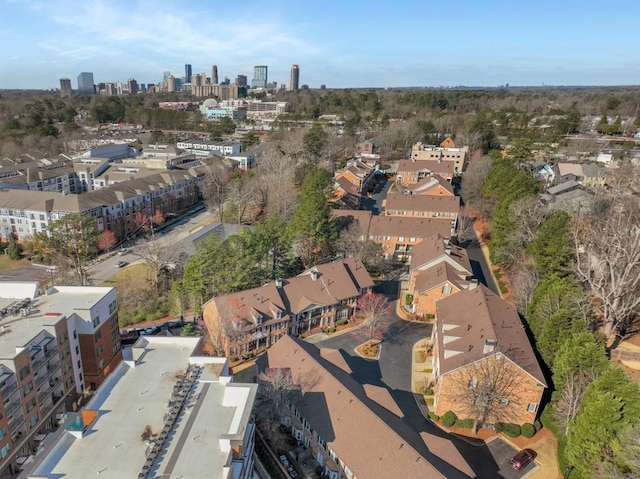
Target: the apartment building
(166, 411)
(413, 171)
(46, 359)
(445, 152)
(396, 234)
(254, 319)
(222, 148)
(353, 430)
(437, 270)
(432, 185)
(53, 175)
(423, 206)
(479, 337)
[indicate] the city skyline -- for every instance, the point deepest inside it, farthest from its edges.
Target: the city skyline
(340, 45)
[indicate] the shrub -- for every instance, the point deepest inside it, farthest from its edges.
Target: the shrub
(319, 470)
(340, 322)
(428, 392)
(512, 430)
(499, 426)
(434, 417)
(465, 423)
(449, 418)
(429, 316)
(329, 330)
(538, 425)
(408, 299)
(528, 430)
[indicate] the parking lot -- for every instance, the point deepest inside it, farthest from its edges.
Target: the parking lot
(502, 453)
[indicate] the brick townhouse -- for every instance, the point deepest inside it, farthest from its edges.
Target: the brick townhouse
(354, 430)
(423, 206)
(477, 332)
(256, 318)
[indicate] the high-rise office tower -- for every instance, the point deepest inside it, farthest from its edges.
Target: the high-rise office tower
(85, 83)
(187, 72)
(65, 87)
(259, 76)
(241, 80)
(199, 79)
(166, 75)
(132, 86)
(294, 79)
(214, 75)
(171, 83)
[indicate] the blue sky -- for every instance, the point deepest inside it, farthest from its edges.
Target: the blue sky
(348, 43)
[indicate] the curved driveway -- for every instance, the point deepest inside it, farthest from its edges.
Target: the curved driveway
(393, 371)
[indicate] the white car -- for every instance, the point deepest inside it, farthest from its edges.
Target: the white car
(121, 264)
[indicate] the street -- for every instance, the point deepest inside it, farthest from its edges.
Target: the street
(393, 372)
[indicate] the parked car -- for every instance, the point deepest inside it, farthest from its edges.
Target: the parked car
(522, 459)
(122, 251)
(121, 264)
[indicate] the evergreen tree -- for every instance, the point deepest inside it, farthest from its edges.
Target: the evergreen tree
(14, 250)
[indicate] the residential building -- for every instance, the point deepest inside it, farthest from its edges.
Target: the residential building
(357, 178)
(432, 185)
(353, 430)
(437, 270)
(171, 84)
(52, 174)
(65, 88)
(85, 84)
(478, 335)
(425, 206)
(166, 411)
(54, 347)
(294, 79)
(397, 235)
(261, 316)
(413, 171)
(457, 156)
(223, 148)
(215, 112)
(258, 108)
(587, 174)
(259, 76)
(370, 147)
(222, 92)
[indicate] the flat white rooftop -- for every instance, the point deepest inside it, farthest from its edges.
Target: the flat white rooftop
(64, 300)
(136, 398)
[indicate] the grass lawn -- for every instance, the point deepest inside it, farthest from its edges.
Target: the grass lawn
(135, 272)
(8, 263)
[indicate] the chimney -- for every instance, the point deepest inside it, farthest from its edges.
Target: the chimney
(314, 274)
(447, 250)
(473, 284)
(489, 346)
(278, 283)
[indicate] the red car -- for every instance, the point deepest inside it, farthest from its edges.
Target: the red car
(522, 459)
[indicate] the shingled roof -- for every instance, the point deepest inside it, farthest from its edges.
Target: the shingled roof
(435, 247)
(470, 318)
(370, 438)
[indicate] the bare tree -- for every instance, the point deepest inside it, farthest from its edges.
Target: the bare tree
(275, 182)
(466, 231)
(524, 281)
(527, 214)
(225, 329)
(157, 254)
(567, 405)
(242, 197)
(215, 189)
(627, 461)
(473, 182)
(487, 390)
(607, 245)
(372, 310)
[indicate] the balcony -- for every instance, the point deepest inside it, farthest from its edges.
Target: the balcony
(41, 379)
(37, 364)
(8, 390)
(52, 368)
(43, 395)
(12, 407)
(50, 352)
(16, 421)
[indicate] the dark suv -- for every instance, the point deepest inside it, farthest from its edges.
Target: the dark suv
(522, 459)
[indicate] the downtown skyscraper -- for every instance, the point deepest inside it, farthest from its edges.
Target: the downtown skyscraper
(294, 79)
(259, 76)
(187, 72)
(85, 84)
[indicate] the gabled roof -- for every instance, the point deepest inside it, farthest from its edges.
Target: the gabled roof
(437, 275)
(371, 440)
(470, 318)
(429, 183)
(409, 227)
(346, 186)
(448, 143)
(448, 204)
(438, 248)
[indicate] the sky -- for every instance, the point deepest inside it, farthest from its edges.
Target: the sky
(343, 44)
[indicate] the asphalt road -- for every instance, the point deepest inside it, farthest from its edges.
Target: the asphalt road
(393, 371)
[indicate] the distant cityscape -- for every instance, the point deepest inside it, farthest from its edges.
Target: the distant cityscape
(198, 84)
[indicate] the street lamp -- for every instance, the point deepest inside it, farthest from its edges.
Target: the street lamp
(51, 273)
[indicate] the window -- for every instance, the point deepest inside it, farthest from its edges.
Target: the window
(31, 404)
(114, 321)
(473, 383)
(98, 336)
(113, 306)
(24, 372)
(79, 364)
(77, 350)
(3, 433)
(33, 421)
(5, 450)
(63, 337)
(446, 289)
(99, 350)
(96, 321)
(532, 407)
(342, 314)
(28, 388)
(504, 402)
(101, 364)
(75, 334)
